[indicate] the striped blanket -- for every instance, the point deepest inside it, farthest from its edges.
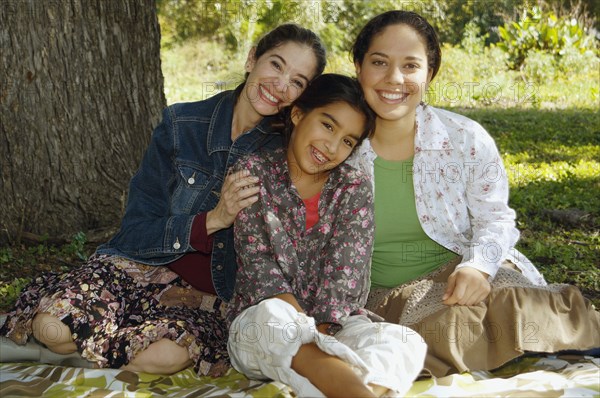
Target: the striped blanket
(547, 376)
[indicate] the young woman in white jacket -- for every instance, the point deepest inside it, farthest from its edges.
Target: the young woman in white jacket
(444, 261)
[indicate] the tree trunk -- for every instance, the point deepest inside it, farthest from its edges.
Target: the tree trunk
(80, 91)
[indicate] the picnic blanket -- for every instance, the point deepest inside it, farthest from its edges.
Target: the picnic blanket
(546, 376)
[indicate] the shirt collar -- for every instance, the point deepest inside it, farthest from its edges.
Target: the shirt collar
(219, 130)
(278, 158)
(432, 133)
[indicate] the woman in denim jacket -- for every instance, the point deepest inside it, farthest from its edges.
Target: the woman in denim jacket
(122, 309)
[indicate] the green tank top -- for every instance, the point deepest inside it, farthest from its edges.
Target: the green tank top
(402, 250)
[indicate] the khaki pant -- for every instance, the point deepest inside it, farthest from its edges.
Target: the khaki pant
(516, 317)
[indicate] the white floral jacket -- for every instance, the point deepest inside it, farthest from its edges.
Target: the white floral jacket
(461, 191)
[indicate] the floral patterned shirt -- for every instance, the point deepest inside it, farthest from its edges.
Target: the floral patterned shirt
(461, 191)
(326, 267)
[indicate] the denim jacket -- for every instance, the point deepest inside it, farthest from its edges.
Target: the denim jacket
(180, 176)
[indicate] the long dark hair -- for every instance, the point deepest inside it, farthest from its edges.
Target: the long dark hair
(328, 89)
(399, 17)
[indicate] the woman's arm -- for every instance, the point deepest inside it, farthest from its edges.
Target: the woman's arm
(148, 229)
(492, 222)
(239, 191)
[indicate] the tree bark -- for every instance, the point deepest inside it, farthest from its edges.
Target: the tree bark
(80, 90)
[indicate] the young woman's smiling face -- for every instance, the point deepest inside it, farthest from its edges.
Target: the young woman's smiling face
(279, 76)
(394, 72)
(322, 139)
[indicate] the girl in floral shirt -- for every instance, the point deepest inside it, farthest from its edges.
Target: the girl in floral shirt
(303, 253)
(444, 261)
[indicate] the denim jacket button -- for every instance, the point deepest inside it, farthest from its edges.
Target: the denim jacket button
(220, 245)
(219, 267)
(176, 245)
(192, 180)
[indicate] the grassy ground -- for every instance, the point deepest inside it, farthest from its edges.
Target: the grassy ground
(551, 152)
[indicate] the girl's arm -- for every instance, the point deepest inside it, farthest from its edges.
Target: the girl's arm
(345, 259)
(262, 245)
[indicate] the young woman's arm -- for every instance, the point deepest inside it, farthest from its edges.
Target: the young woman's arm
(492, 220)
(148, 228)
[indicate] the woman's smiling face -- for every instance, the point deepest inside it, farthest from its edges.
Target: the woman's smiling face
(394, 73)
(279, 76)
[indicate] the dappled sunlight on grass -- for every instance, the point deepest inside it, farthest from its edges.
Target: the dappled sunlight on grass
(551, 152)
(521, 173)
(568, 193)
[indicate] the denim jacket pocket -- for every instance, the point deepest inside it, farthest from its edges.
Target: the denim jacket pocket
(193, 190)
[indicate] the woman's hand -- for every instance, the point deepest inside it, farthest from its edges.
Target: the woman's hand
(466, 286)
(239, 191)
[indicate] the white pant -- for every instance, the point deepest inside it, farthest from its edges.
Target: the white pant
(264, 338)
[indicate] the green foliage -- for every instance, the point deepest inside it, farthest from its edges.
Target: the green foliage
(238, 23)
(538, 31)
(196, 70)
(473, 76)
(452, 18)
(20, 263)
(9, 287)
(473, 42)
(9, 291)
(77, 246)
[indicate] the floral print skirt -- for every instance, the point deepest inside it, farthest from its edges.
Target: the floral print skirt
(116, 308)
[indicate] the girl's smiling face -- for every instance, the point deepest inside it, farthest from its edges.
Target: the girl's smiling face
(394, 73)
(323, 138)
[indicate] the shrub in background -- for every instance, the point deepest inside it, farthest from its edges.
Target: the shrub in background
(545, 32)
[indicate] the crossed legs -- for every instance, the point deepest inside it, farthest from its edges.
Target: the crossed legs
(161, 357)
